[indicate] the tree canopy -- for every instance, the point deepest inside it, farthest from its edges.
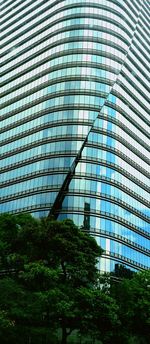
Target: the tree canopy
(46, 266)
(133, 297)
(49, 287)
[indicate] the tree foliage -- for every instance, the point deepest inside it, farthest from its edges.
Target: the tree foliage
(49, 281)
(133, 299)
(44, 266)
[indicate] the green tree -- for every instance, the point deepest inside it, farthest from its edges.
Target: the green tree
(133, 298)
(18, 235)
(97, 314)
(66, 261)
(53, 280)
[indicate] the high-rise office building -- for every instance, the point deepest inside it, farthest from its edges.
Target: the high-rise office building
(74, 118)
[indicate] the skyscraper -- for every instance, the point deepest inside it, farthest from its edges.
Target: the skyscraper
(74, 118)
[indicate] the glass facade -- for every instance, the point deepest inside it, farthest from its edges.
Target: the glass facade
(74, 119)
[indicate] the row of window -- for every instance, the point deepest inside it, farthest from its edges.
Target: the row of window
(77, 185)
(49, 133)
(130, 82)
(116, 35)
(96, 187)
(130, 93)
(49, 54)
(38, 167)
(132, 112)
(55, 30)
(75, 130)
(107, 264)
(91, 86)
(128, 12)
(77, 99)
(98, 154)
(84, 169)
(57, 49)
(98, 206)
(56, 164)
(49, 181)
(127, 122)
(100, 124)
(29, 202)
(94, 154)
(104, 139)
(104, 124)
(71, 115)
(133, 78)
(90, 169)
(67, 59)
(75, 202)
(52, 148)
(73, 99)
(99, 225)
(110, 245)
(60, 15)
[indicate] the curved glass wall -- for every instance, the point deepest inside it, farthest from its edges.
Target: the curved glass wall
(74, 119)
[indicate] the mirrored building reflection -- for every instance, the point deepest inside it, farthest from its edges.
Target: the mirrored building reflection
(74, 119)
